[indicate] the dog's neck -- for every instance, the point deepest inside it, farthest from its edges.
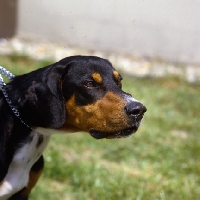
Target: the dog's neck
(48, 131)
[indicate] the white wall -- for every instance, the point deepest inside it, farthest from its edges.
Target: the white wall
(167, 29)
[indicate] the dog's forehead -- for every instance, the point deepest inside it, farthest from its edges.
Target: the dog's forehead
(97, 70)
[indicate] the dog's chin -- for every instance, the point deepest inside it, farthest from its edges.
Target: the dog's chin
(111, 135)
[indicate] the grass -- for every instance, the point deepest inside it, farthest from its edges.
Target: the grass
(161, 161)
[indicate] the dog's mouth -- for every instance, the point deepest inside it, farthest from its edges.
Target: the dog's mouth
(116, 134)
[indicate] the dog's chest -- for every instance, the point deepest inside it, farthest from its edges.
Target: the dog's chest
(18, 172)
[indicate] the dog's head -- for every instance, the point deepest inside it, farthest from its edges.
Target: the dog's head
(79, 93)
(95, 102)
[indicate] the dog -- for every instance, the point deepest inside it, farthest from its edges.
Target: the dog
(78, 93)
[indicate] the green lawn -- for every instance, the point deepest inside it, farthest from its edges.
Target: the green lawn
(160, 162)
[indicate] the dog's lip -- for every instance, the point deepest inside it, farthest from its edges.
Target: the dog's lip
(116, 134)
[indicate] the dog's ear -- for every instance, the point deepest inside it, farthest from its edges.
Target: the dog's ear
(43, 104)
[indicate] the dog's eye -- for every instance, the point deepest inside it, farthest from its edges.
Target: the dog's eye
(90, 84)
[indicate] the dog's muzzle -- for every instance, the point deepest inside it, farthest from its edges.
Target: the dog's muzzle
(135, 112)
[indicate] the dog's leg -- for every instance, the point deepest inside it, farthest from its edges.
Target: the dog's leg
(34, 175)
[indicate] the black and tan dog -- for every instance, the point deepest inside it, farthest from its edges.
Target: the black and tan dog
(79, 93)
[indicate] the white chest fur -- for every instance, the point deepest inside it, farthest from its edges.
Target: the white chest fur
(18, 172)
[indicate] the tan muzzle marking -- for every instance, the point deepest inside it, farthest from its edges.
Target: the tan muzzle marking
(106, 114)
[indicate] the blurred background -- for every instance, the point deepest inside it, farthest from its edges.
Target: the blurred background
(156, 46)
(166, 31)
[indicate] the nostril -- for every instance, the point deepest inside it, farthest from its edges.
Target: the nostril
(135, 108)
(135, 111)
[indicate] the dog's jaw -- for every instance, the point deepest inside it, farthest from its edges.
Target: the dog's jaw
(111, 135)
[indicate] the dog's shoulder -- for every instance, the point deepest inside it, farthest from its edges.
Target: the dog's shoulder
(12, 133)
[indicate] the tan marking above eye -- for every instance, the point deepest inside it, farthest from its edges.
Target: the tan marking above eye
(116, 75)
(106, 114)
(97, 77)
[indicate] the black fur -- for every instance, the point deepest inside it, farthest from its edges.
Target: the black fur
(34, 93)
(38, 98)
(40, 101)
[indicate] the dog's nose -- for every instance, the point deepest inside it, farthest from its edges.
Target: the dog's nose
(135, 109)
